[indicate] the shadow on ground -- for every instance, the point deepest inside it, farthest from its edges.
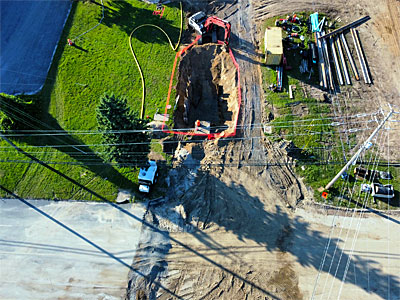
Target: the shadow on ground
(212, 202)
(38, 118)
(77, 150)
(127, 17)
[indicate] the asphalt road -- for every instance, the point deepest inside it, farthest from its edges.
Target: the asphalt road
(30, 31)
(90, 260)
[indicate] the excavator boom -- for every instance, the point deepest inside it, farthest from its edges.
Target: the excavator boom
(215, 21)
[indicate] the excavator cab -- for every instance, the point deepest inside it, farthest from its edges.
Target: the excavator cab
(216, 30)
(212, 29)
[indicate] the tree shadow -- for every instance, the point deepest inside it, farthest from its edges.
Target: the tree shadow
(211, 201)
(127, 17)
(151, 227)
(149, 277)
(76, 149)
(38, 117)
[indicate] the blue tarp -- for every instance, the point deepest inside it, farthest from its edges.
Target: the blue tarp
(30, 31)
(314, 22)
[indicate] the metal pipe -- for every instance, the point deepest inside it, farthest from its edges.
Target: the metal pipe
(351, 60)
(362, 148)
(358, 55)
(328, 65)
(336, 62)
(361, 55)
(345, 27)
(321, 60)
(342, 59)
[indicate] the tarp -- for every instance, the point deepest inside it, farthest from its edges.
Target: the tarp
(30, 31)
(314, 22)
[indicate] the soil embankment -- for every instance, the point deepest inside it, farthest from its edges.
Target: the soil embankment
(206, 89)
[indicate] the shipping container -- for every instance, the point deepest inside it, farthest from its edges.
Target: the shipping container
(273, 46)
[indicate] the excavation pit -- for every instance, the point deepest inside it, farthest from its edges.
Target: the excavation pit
(207, 98)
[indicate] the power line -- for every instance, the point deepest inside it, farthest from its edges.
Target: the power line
(341, 229)
(354, 238)
(352, 130)
(101, 20)
(181, 129)
(350, 223)
(233, 163)
(326, 249)
(253, 125)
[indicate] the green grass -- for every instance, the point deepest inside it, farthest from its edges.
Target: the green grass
(293, 120)
(75, 82)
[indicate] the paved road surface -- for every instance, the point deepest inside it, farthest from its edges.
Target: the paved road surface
(42, 260)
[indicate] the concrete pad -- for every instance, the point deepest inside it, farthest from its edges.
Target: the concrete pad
(30, 31)
(42, 260)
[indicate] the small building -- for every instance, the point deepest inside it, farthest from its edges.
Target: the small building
(273, 46)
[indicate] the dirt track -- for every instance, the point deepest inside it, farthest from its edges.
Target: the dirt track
(232, 233)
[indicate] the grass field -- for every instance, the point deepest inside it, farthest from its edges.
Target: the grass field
(100, 63)
(303, 120)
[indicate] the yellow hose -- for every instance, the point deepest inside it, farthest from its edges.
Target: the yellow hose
(136, 60)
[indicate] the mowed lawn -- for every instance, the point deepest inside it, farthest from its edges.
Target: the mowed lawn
(79, 76)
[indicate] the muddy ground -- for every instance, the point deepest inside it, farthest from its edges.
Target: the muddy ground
(240, 230)
(207, 89)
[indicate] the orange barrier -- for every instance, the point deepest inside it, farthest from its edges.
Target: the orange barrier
(210, 136)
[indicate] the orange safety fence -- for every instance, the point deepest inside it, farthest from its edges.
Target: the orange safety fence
(210, 136)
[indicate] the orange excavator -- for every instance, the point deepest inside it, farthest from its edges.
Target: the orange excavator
(213, 25)
(212, 29)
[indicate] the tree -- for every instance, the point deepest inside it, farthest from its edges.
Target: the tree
(124, 134)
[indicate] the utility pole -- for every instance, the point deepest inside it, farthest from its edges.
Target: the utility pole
(364, 146)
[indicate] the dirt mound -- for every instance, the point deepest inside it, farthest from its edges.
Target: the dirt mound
(206, 89)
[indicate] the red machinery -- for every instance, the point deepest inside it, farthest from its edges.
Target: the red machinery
(211, 26)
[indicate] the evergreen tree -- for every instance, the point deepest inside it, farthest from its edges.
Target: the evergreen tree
(115, 118)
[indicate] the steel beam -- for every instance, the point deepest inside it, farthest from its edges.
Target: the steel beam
(343, 61)
(349, 56)
(345, 27)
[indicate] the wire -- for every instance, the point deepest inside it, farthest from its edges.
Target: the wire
(325, 256)
(253, 125)
(336, 213)
(388, 221)
(193, 152)
(326, 249)
(355, 236)
(101, 20)
(360, 219)
(233, 163)
(194, 141)
(341, 229)
(184, 129)
(33, 119)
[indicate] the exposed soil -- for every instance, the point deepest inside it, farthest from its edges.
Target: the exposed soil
(207, 88)
(241, 230)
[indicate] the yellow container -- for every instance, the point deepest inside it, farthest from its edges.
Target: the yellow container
(273, 46)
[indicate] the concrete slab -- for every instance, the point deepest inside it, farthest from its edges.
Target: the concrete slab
(42, 260)
(30, 31)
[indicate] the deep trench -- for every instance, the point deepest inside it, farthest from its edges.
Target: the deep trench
(206, 89)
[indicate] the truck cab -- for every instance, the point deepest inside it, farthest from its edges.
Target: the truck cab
(148, 176)
(197, 21)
